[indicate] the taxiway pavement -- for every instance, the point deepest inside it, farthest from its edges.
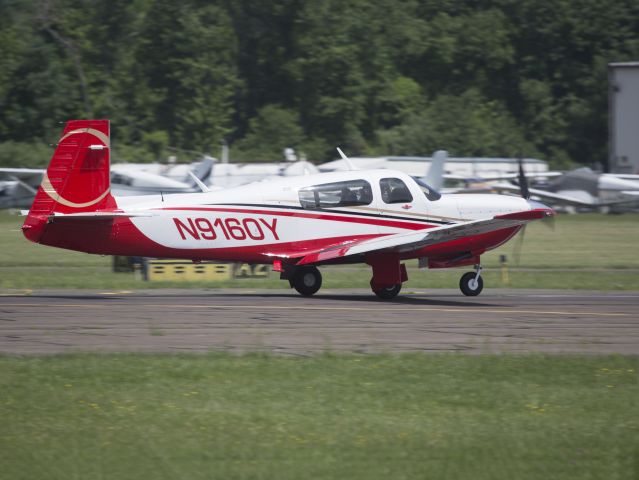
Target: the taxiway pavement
(282, 322)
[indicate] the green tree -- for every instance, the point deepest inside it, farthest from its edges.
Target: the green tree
(465, 125)
(271, 131)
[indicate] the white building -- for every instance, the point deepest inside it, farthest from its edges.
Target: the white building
(467, 167)
(623, 117)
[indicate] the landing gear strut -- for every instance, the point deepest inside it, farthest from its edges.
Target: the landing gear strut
(388, 274)
(471, 283)
(306, 280)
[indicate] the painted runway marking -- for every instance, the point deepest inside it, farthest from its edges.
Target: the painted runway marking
(394, 308)
(58, 305)
(24, 293)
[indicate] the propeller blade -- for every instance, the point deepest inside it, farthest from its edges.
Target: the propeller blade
(549, 222)
(523, 181)
(519, 243)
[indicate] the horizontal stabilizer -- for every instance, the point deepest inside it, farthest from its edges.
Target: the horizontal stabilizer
(97, 215)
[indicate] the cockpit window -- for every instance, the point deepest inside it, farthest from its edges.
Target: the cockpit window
(337, 194)
(394, 191)
(430, 192)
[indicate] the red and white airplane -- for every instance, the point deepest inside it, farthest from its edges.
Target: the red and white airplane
(379, 217)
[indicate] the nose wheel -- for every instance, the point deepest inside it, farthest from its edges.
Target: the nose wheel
(471, 283)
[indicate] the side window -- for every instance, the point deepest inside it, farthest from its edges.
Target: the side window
(394, 191)
(337, 194)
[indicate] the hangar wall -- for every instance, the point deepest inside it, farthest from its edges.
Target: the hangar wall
(623, 80)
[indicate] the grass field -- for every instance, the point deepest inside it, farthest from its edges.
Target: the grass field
(383, 416)
(127, 416)
(587, 251)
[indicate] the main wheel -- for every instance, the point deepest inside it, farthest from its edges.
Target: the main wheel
(307, 280)
(469, 286)
(388, 293)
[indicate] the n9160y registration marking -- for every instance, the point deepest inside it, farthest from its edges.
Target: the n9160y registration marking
(229, 228)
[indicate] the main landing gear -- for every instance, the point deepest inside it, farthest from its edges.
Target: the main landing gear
(388, 275)
(306, 280)
(471, 283)
(388, 293)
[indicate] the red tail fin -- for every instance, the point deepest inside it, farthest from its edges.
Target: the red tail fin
(78, 177)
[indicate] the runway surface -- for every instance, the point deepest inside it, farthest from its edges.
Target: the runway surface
(279, 321)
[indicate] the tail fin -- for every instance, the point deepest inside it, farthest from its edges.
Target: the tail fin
(435, 175)
(78, 177)
(203, 169)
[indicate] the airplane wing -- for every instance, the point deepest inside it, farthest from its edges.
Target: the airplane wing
(31, 176)
(623, 176)
(502, 176)
(548, 196)
(411, 241)
(559, 198)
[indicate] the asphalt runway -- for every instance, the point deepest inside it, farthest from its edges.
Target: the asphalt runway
(282, 322)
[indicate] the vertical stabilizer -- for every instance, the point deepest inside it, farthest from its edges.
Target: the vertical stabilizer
(77, 179)
(435, 175)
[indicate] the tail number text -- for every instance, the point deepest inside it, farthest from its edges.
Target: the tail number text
(229, 228)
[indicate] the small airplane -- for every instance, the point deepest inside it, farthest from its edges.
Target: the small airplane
(583, 187)
(227, 175)
(18, 185)
(296, 224)
(133, 179)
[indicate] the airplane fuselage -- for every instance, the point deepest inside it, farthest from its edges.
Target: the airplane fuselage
(266, 220)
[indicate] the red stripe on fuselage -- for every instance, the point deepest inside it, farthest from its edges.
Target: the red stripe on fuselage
(121, 237)
(351, 218)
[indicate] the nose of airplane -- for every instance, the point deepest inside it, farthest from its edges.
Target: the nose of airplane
(543, 210)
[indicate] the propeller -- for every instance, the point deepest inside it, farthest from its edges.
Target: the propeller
(525, 193)
(523, 181)
(524, 190)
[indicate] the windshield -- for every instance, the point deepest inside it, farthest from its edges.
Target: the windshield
(430, 192)
(338, 194)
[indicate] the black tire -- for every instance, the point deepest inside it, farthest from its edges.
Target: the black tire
(467, 282)
(307, 280)
(388, 293)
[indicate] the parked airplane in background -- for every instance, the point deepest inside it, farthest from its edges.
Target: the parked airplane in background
(127, 179)
(577, 188)
(378, 217)
(20, 184)
(584, 188)
(227, 175)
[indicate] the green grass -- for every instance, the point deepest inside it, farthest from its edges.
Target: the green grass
(329, 416)
(586, 251)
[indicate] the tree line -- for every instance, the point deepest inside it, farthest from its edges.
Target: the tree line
(376, 77)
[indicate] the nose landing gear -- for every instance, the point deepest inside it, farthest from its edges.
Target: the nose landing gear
(471, 283)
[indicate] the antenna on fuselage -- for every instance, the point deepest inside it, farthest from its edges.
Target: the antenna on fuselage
(349, 164)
